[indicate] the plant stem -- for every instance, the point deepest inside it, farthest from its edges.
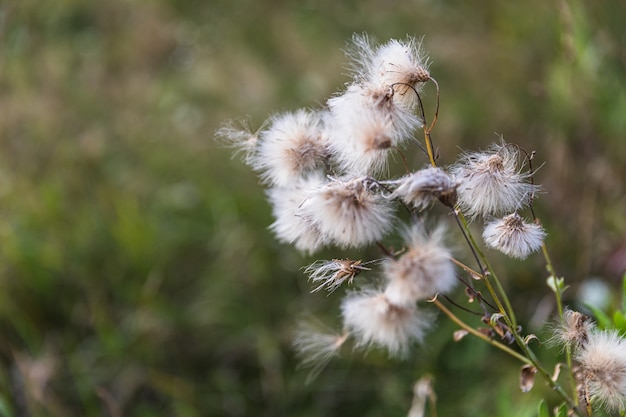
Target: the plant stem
(500, 298)
(559, 305)
(480, 335)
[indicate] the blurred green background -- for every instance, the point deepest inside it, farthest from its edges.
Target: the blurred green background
(137, 274)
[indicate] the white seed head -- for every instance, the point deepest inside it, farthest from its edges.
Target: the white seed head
(492, 182)
(420, 188)
(400, 64)
(424, 270)
(292, 224)
(573, 331)
(374, 321)
(364, 124)
(293, 146)
(349, 213)
(603, 364)
(513, 236)
(332, 274)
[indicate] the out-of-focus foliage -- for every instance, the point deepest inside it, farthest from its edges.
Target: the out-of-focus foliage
(137, 276)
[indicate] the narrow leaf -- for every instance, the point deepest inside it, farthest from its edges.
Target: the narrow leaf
(619, 321)
(561, 411)
(604, 321)
(543, 410)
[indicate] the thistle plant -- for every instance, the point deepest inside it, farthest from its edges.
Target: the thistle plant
(326, 177)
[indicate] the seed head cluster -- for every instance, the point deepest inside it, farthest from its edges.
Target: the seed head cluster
(601, 355)
(327, 179)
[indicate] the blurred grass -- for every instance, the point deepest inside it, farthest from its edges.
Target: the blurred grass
(137, 276)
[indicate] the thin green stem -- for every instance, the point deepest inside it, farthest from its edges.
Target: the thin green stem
(552, 272)
(559, 305)
(480, 335)
(501, 299)
(429, 147)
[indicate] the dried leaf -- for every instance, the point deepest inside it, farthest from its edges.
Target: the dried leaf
(530, 337)
(476, 277)
(557, 371)
(494, 319)
(487, 332)
(460, 334)
(527, 377)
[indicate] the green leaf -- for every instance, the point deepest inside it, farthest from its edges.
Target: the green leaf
(562, 410)
(619, 321)
(543, 410)
(5, 411)
(555, 284)
(604, 321)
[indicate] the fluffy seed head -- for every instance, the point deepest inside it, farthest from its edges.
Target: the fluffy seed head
(514, 237)
(375, 321)
(349, 213)
(574, 330)
(292, 224)
(293, 146)
(399, 64)
(423, 271)
(364, 124)
(492, 182)
(603, 363)
(332, 274)
(420, 188)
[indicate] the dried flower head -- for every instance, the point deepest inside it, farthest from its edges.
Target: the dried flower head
(492, 182)
(400, 64)
(364, 124)
(423, 271)
(293, 146)
(603, 363)
(512, 236)
(349, 213)
(316, 348)
(292, 224)
(332, 274)
(375, 321)
(420, 188)
(574, 330)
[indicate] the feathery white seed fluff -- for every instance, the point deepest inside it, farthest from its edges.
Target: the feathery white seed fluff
(293, 146)
(573, 331)
(603, 363)
(241, 139)
(332, 274)
(420, 188)
(424, 270)
(349, 213)
(364, 124)
(400, 64)
(513, 236)
(292, 224)
(492, 182)
(374, 321)
(316, 348)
